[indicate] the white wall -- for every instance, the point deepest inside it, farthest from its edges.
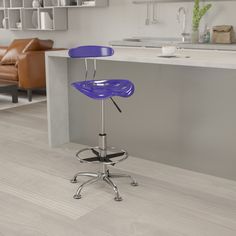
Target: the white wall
(124, 19)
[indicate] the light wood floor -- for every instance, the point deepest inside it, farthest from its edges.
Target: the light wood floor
(36, 195)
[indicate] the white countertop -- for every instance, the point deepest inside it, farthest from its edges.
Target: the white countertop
(158, 44)
(185, 57)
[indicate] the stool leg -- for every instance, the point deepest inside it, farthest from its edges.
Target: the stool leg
(116, 175)
(109, 182)
(91, 181)
(87, 174)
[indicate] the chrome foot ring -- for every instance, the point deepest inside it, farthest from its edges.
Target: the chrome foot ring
(111, 151)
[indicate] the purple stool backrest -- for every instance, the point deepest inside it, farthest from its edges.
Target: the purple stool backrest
(91, 51)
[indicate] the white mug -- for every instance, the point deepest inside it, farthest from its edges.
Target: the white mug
(169, 50)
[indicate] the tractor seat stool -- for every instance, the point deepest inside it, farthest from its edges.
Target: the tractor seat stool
(101, 90)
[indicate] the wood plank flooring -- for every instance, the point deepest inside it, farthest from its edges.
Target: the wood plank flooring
(36, 195)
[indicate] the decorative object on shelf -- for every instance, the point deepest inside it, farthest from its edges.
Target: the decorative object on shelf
(46, 21)
(223, 34)
(36, 4)
(89, 3)
(35, 19)
(198, 13)
(5, 22)
(18, 25)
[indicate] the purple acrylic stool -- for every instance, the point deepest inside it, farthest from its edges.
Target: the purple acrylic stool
(101, 90)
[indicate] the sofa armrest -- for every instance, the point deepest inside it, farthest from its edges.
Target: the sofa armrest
(3, 49)
(31, 70)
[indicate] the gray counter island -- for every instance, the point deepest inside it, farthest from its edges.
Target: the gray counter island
(182, 113)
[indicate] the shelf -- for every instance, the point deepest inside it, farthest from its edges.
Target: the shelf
(15, 29)
(35, 8)
(15, 8)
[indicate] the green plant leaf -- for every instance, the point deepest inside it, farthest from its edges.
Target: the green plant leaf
(198, 13)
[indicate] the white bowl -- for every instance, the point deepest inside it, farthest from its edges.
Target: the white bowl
(168, 50)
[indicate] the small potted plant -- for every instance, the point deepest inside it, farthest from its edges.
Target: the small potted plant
(198, 13)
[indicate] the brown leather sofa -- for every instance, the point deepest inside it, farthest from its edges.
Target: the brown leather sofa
(23, 63)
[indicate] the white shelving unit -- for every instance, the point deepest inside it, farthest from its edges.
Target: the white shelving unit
(20, 14)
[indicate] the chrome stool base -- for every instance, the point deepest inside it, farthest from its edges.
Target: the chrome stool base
(104, 176)
(112, 155)
(105, 156)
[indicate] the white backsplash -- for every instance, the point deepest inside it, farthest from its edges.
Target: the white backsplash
(123, 19)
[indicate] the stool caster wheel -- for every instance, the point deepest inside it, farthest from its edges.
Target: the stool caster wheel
(134, 184)
(118, 198)
(77, 196)
(73, 181)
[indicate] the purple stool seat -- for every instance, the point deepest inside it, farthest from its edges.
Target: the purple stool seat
(102, 89)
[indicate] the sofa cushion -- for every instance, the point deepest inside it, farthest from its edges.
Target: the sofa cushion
(14, 50)
(8, 72)
(39, 45)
